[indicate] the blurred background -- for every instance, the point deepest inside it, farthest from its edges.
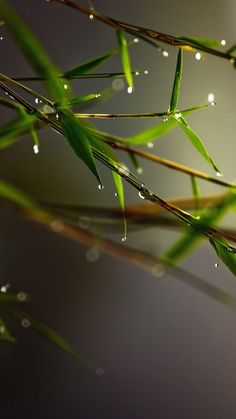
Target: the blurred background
(168, 351)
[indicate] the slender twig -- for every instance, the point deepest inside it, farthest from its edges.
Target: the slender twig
(147, 33)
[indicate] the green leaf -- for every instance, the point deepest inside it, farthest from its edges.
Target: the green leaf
(32, 49)
(196, 141)
(188, 241)
(125, 58)
(10, 132)
(4, 333)
(203, 42)
(157, 131)
(225, 253)
(88, 66)
(78, 100)
(77, 138)
(196, 191)
(177, 81)
(120, 192)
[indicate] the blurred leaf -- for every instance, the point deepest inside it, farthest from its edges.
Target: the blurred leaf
(196, 141)
(196, 191)
(78, 100)
(13, 194)
(10, 132)
(177, 81)
(50, 334)
(4, 333)
(135, 162)
(78, 139)
(32, 49)
(203, 42)
(225, 253)
(125, 58)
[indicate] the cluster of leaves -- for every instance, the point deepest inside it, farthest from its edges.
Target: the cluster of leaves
(91, 144)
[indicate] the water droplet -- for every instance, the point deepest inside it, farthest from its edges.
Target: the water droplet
(57, 226)
(178, 115)
(211, 98)
(57, 116)
(198, 56)
(158, 270)
(2, 330)
(118, 85)
(165, 53)
(232, 60)
(98, 95)
(25, 323)
(91, 17)
(150, 145)
(92, 254)
(36, 100)
(65, 86)
(216, 265)
(124, 239)
(21, 296)
(165, 119)
(136, 40)
(223, 42)
(141, 195)
(36, 149)
(130, 90)
(139, 170)
(5, 288)
(100, 186)
(218, 174)
(1, 38)
(116, 194)
(146, 71)
(137, 73)
(99, 371)
(48, 109)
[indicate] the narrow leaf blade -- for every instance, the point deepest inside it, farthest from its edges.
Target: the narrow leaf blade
(125, 58)
(177, 81)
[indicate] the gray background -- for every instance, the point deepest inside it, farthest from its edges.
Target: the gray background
(168, 351)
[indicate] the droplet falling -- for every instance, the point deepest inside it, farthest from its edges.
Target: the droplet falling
(36, 149)
(165, 53)
(198, 56)
(116, 194)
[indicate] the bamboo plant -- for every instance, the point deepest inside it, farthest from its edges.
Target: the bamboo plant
(197, 216)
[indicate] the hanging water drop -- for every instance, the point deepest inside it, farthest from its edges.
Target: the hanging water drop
(146, 71)
(223, 42)
(57, 116)
(130, 90)
(36, 100)
(141, 195)
(5, 288)
(1, 38)
(150, 145)
(91, 17)
(216, 265)
(100, 186)
(218, 174)
(165, 53)
(139, 170)
(124, 239)
(65, 86)
(136, 40)
(36, 149)
(198, 56)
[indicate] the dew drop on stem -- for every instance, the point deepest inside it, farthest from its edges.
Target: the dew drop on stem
(100, 186)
